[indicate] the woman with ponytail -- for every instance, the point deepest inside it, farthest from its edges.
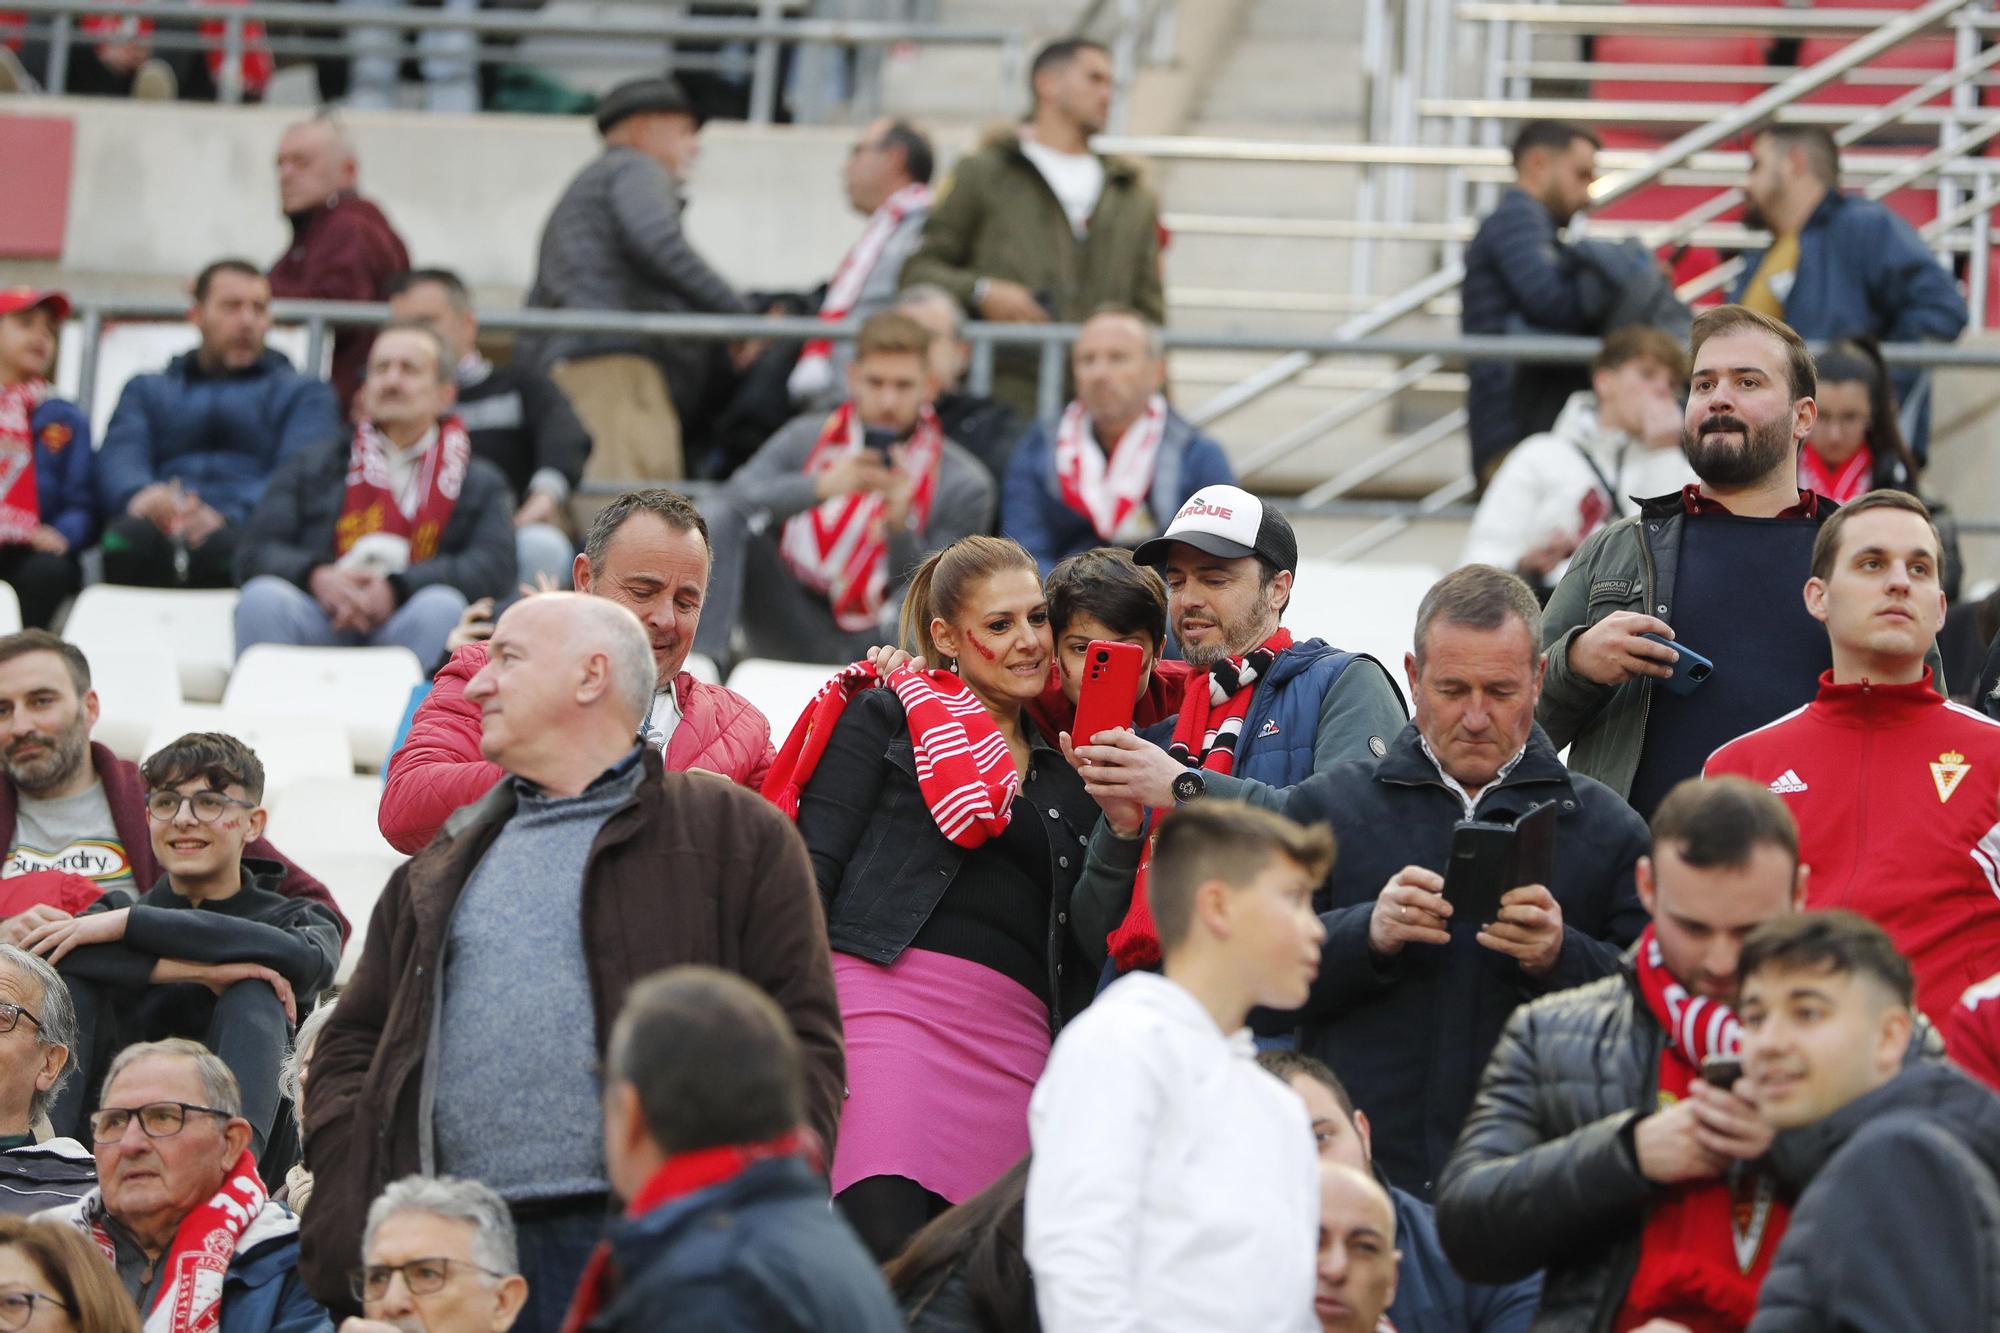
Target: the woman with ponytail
(946, 833)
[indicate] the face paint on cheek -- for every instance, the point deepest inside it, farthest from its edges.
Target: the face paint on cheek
(981, 648)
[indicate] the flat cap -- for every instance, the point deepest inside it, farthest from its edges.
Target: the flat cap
(652, 93)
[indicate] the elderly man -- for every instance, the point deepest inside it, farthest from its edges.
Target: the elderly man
(703, 1069)
(1409, 999)
(888, 180)
(1597, 1148)
(552, 896)
(189, 448)
(815, 535)
(343, 248)
(1358, 1259)
(1118, 462)
(72, 814)
(615, 242)
(647, 551)
(439, 1256)
(384, 539)
(1261, 712)
(515, 416)
(37, 1034)
(1429, 1295)
(178, 1199)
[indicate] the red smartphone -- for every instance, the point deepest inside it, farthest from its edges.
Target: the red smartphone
(1110, 688)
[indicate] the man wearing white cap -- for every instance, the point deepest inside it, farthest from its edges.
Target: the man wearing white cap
(1262, 712)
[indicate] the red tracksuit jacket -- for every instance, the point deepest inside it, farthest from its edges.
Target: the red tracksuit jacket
(1897, 795)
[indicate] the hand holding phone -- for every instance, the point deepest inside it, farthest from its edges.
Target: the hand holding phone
(1722, 1071)
(1690, 667)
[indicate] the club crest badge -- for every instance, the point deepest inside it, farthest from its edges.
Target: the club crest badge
(1947, 772)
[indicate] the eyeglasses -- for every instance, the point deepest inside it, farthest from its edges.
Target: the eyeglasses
(18, 1307)
(159, 1120)
(11, 1016)
(165, 806)
(424, 1277)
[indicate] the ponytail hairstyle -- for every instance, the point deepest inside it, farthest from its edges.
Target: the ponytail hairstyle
(938, 589)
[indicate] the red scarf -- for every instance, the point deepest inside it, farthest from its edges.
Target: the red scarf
(190, 1295)
(841, 546)
(1205, 735)
(1707, 1244)
(20, 506)
(371, 506)
(964, 770)
(1107, 490)
(1838, 484)
(254, 66)
(813, 374)
(679, 1176)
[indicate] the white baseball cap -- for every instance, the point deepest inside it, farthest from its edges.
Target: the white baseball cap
(1230, 522)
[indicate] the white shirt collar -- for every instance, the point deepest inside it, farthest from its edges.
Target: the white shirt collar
(1469, 799)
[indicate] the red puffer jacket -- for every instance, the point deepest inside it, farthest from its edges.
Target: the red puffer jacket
(440, 769)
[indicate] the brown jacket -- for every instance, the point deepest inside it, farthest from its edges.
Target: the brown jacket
(693, 869)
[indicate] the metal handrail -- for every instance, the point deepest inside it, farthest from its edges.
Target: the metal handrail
(1780, 21)
(767, 31)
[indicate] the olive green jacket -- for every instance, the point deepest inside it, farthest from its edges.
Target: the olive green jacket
(996, 217)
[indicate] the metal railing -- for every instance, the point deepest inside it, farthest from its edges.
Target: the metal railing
(767, 34)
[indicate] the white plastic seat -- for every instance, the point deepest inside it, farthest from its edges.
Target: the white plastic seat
(197, 627)
(135, 690)
(1362, 608)
(780, 690)
(10, 610)
(138, 347)
(317, 814)
(363, 690)
(356, 881)
(293, 747)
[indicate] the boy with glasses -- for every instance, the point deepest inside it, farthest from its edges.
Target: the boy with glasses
(212, 951)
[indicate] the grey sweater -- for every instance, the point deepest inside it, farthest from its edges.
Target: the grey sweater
(774, 486)
(614, 242)
(516, 1100)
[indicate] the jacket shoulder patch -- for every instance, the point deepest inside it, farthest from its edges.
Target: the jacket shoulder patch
(1621, 588)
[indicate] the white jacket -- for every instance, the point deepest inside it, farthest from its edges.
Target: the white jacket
(1174, 1185)
(1541, 487)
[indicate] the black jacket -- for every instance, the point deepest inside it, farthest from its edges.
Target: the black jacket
(291, 532)
(1409, 1034)
(1898, 1223)
(882, 865)
(519, 421)
(758, 1254)
(1518, 279)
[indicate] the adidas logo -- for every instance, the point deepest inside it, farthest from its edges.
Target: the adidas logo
(1788, 783)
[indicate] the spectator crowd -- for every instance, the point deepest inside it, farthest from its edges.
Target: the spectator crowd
(1103, 948)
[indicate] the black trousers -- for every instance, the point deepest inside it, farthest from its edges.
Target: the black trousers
(138, 554)
(42, 581)
(885, 1211)
(245, 1025)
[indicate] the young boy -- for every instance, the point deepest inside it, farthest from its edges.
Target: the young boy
(212, 951)
(48, 499)
(1173, 1183)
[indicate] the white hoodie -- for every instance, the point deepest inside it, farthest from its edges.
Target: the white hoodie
(1542, 487)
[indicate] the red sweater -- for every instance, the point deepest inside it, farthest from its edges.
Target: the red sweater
(440, 768)
(343, 250)
(1897, 795)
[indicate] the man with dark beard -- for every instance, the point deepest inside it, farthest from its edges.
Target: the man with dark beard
(1717, 566)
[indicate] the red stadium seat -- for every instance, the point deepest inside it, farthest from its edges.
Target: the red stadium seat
(1664, 203)
(1922, 55)
(1650, 49)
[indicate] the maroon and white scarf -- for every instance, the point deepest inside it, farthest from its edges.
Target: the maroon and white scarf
(20, 506)
(813, 375)
(239, 1217)
(372, 504)
(964, 770)
(1106, 491)
(840, 547)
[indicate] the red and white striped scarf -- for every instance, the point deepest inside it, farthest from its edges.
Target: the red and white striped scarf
(1838, 484)
(190, 1296)
(1106, 491)
(840, 547)
(813, 374)
(20, 505)
(964, 770)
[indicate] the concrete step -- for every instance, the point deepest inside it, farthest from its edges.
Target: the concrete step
(1290, 79)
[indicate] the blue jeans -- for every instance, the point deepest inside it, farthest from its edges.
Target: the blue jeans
(543, 548)
(274, 610)
(555, 1247)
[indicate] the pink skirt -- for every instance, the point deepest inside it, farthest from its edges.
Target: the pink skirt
(942, 1055)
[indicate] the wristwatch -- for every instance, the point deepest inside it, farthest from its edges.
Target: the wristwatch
(1189, 786)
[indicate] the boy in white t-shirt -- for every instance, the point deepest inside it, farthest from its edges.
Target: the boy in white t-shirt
(1174, 1183)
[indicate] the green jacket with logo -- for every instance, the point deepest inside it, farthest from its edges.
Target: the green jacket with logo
(1624, 566)
(996, 217)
